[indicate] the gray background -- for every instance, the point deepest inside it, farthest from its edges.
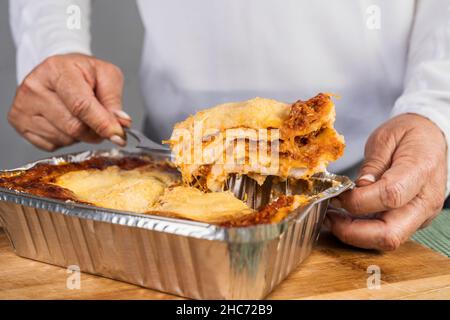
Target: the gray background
(117, 35)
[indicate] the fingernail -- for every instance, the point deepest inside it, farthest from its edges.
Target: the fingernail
(118, 140)
(367, 177)
(122, 114)
(336, 203)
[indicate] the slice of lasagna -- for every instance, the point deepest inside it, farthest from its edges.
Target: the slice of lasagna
(258, 137)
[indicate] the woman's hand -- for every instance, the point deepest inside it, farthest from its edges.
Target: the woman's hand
(401, 186)
(70, 98)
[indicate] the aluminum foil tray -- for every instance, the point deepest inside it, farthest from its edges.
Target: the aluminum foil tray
(181, 257)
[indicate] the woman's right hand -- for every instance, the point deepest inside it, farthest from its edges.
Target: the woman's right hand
(70, 98)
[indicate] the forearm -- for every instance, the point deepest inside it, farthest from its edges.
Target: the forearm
(48, 27)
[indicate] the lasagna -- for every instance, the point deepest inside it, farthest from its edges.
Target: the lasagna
(257, 138)
(142, 185)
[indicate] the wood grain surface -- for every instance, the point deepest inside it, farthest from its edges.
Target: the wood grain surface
(333, 271)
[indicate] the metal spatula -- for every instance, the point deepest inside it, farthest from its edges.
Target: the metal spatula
(144, 142)
(257, 196)
(249, 191)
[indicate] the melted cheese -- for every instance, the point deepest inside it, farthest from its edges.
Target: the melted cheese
(256, 113)
(129, 190)
(146, 190)
(191, 203)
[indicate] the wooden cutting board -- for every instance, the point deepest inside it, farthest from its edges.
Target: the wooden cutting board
(333, 271)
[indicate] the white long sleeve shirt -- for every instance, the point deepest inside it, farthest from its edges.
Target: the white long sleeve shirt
(382, 57)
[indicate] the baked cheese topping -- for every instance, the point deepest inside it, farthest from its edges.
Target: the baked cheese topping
(191, 203)
(134, 190)
(150, 190)
(255, 113)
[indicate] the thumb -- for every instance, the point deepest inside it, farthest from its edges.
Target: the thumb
(109, 89)
(385, 183)
(377, 158)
